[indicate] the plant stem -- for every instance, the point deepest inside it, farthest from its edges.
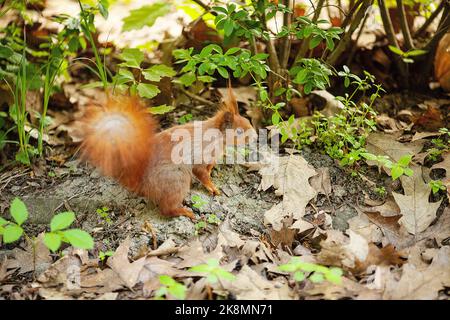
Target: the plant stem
(286, 47)
(409, 44)
(390, 34)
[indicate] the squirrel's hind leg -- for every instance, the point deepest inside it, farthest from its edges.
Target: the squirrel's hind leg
(203, 174)
(178, 212)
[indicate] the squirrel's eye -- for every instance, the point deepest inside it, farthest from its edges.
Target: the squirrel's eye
(239, 131)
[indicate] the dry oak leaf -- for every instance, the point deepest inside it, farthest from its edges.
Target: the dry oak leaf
(387, 145)
(119, 263)
(250, 285)
(290, 177)
(416, 284)
(417, 212)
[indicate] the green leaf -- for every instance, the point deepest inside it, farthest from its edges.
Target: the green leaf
(19, 211)
(405, 160)
(126, 74)
(178, 291)
(147, 90)
(299, 276)
(166, 280)
(79, 238)
(275, 118)
(201, 268)
(334, 275)
(162, 109)
(133, 57)
(155, 73)
(316, 277)
(146, 15)
(408, 171)
(396, 172)
(187, 79)
(5, 52)
(416, 52)
(223, 72)
(12, 233)
(396, 50)
(3, 222)
(62, 221)
(52, 241)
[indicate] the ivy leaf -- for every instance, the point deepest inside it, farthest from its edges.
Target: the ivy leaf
(12, 233)
(52, 241)
(133, 57)
(19, 211)
(145, 15)
(147, 90)
(79, 238)
(62, 221)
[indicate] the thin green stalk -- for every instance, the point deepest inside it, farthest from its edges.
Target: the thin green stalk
(100, 65)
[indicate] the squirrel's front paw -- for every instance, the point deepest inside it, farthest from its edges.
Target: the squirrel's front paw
(213, 190)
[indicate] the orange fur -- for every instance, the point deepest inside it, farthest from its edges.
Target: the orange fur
(122, 141)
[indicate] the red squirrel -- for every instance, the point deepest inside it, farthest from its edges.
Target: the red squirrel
(122, 140)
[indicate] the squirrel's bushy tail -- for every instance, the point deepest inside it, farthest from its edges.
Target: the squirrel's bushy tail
(118, 139)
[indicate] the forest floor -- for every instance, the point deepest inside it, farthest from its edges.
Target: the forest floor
(343, 218)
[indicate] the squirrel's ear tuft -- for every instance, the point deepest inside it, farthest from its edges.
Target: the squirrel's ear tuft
(230, 102)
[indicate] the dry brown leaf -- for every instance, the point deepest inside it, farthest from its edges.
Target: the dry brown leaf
(364, 227)
(387, 145)
(423, 135)
(417, 212)
(416, 284)
(322, 181)
(385, 256)
(394, 233)
(27, 261)
(119, 263)
(290, 177)
(250, 285)
(430, 120)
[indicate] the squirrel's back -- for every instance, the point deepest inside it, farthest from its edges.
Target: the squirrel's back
(118, 139)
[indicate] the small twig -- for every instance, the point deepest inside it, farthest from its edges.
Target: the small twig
(204, 6)
(345, 41)
(430, 19)
(198, 98)
(355, 47)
